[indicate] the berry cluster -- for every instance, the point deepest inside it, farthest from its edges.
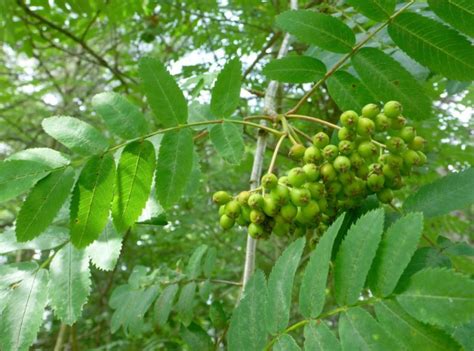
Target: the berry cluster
(375, 150)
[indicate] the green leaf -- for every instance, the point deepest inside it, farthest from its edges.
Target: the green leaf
(196, 338)
(120, 116)
(434, 45)
(105, 251)
(444, 195)
(175, 163)
(43, 203)
(52, 237)
(313, 285)
(358, 330)
(388, 80)
(76, 135)
(412, 334)
(163, 94)
(286, 343)
(199, 113)
(458, 13)
(49, 157)
(396, 250)
(348, 92)
(18, 176)
(210, 262)
(318, 337)
(295, 69)
(463, 335)
(280, 286)
(164, 304)
(70, 283)
(91, 198)
(133, 184)
(10, 276)
(193, 269)
(23, 315)
(228, 141)
(226, 91)
(317, 29)
(186, 302)
(378, 10)
(355, 256)
(246, 330)
(439, 296)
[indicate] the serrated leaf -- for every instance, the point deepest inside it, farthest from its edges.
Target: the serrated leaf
(18, 176)
(313, 285)
(43, 203)
(396, 250)
(193, 269)
(318, 337)
(295, 69)
(76, 135)
(463, 335)
(228, 141)
(286, 343)
(348, 92)
(358, 330)
(210, 262)
(388, 80)
(458, 13)
(412, 334)
(226, 91)
(185, 304)
(175, 163)
(163, 94)
(439, 296)
(280, 286)
(199, 113)
(52, 237)
(23, 316)
(133, 183)
(70, 283)
(434, 45)
(378, 10)
(317, 29)
(91, 199)
(355, 256)
(120, 116)
(10, 276)
(196, 338)
(44, 155)
(164, 304)
(444, 195)
(105, 251)
(246, 330)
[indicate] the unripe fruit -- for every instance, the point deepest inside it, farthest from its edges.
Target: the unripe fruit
(408, 134)
(396, 145)
(375, 168)
(312, 155)
(330, 152)
(243, 197)
(281, 229)
(411, 158)
(226, 222)
(356, 160)
(245, 213)
(394, 161)
(257, 216)
(269, 181)
(301, 219)
(345, 134)
(221, 210)
(312, 172)
(389, 172)
(342, 164)
(367, 149)
(310, 211)
(221, 197)
(255, 230)
(288, 211)
(328, 173)
(270, 206)
(385, 196)
(398, 123)
(418, 143)
(346, 147)
(283, 180)
(370, 111)
(316, 189)
(365, 127)
(392, 109)
(349, 119)
(334, 188)
(242, 221)
(346, 178)
(395, 183)
(323, 204)
(363, 171)
(297, 152)
(382, 122)
(356, 188)
(320, 140)
(423, 158)
(280, 194)
(255, 201)
(300, 196)
(296, 177)
(232, 209)
(375, 182)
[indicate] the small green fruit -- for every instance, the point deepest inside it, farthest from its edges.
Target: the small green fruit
(408, 134)
(311, 210)
(281, 229)
(243, 197)
(283, 180)
(349, 119)
(396, 145)
(375, 168)
(257, 216)
(221, 197)
(300, 196)
(365, 127)
(334, 188)
(255, 201)
(328, 173)
(270, 206)
(370, 111)
(398, 123)
(356, 160)
(312, 155)
(392, 109)
(345, 134)
(320, 140)
(280, 194)
(375, 182)
(226, 222)
(296, 177)
(389, 172)
(423, 158)
(342, 164)
(330, 152)
(312, 172)
(346, 178)
(269, 181)
(288, 211)
(382, 123)
(367, 149)
(316, 189)
(256, 231)
(297, 152)
(232, 209)
(411, 158)
(346, 147)
(418, 143)
(385, 196)
(323, 204)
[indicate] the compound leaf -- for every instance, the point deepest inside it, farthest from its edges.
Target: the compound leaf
(348, 92)
(286, 343)
(295, 69)
(458, 13)
(164, 303)
(226, 91)
(228, 141)
(318, 337)
(105, 251)
(378, 10)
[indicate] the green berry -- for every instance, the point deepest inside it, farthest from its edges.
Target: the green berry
(257, 216)
(363, 171)
(330, 152)
(423, 158)
(346, 147)
(316, 189)
(395, 183)
(232, 209)
(255, 201)
(320, 140)
(283, 180)
(280, 194)
(375, 168)
(221, 197)
(297, 152)
(349, 119)
(311, 210)
(342, 164)
(281, 229)
(245, 213)
(243, 197)
(367, 149)
(288, 211)
(392, 109)
(385, 196)
(269, 181)
(356, 188)
(345, 134)
(396, 145)
(418, 143)
(312, 172)
(389, 172)
(408, 134)
(270, 206)
(328, 173)
(394, 161)
(365, 127)
(312, 155)
(398, 123)
(334, 188)
(221, 210)
(356, 160)
(296, 177)
(255, 230)
(300, 196)
(382, 123)
(346, 178)
(375, 182)
(226, 222)
(370, 111)
(411, 158)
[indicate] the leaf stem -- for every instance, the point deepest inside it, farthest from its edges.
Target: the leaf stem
(314, 119)
(275, 153)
